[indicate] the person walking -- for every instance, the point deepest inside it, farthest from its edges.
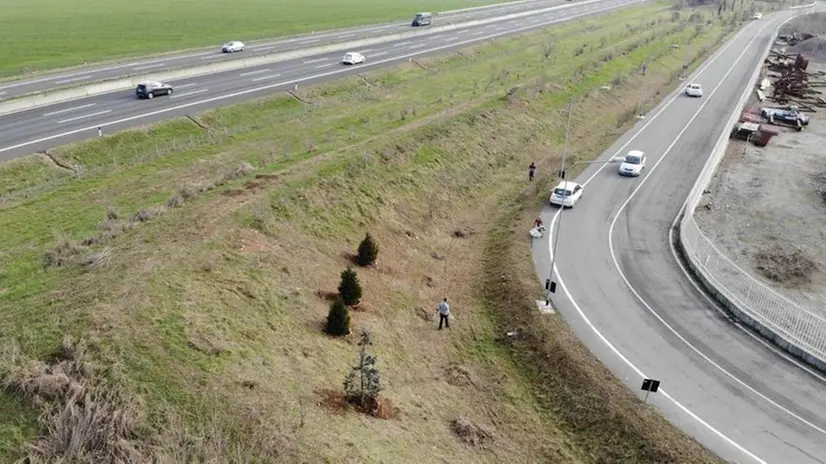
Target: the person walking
(531, 171)
(444, 314)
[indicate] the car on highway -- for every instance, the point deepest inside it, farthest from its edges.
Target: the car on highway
(757, 15)
(233, 46)
(152, 89)
(566, 194)
(422, 19)
(632, 164)
(352, 58)
(694, 90)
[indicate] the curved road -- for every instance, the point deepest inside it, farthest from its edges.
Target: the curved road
(623, 291)
(108, 71)
(45, 127)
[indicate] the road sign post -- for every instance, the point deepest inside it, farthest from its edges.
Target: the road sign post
(650, 386)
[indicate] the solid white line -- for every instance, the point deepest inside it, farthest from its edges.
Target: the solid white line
(66, 81)
(316, 60)
(183, 86)
(273, 76)
(274, 86)
(76, 118)
(327, 65)
(194, 92)
(585, 318)
(138, 68)
(68, 109)
(639, 297)
(254, 72)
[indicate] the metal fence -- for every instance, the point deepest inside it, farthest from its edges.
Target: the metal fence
(797, 325)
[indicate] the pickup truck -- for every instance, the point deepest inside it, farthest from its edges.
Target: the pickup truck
(789, 116)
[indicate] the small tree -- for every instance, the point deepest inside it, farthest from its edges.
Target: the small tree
(349, 289)
(367, 252)
(338, 319)
(363, 384)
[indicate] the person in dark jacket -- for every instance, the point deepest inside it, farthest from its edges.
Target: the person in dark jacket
(531, 171)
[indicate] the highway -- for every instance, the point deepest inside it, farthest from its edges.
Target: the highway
(48, 126)
(624, 293)
(108, 71)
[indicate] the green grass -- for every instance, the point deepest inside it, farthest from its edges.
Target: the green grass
(179, 283)
(42, 34)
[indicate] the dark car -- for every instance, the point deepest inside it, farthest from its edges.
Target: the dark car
(422, 19)
(152, 89)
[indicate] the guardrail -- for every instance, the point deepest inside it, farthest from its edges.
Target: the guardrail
(787, 324)
(34, 100)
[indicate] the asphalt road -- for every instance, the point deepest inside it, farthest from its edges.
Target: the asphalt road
(98, 72)
(45, 127)
(626, 296)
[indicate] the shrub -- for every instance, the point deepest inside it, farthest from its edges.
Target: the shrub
(338, 319)
(349, 289)
(363, 384)
(367, 252)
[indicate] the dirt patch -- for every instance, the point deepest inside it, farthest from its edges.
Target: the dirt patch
(813, 48)
(458, 376)
(786, 266)
(765, 210)
(471, 433)
(335, 402)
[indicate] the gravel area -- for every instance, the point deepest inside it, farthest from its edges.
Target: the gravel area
(766, 210)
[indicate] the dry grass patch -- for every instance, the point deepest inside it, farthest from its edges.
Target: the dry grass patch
(784, 265)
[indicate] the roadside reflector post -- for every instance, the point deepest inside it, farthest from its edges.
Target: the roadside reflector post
(295, 87)
(650, 386)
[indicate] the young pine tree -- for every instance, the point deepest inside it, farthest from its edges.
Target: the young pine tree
(338, 319)
(363, 384)
(349, 289)
(367, 252)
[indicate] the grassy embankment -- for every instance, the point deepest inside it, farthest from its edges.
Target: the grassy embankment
(44, 34)
(205, 317)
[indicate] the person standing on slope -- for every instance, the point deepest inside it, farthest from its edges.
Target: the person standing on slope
(444, 314)
(531, 171)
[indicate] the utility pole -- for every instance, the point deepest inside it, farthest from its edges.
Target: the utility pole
(551, 283)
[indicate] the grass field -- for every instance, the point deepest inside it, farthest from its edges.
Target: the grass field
(43, 34)
(200, 298)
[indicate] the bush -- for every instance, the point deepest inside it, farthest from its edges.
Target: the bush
(367, 252)
(338, 319)
(363, 384)
(349, 289)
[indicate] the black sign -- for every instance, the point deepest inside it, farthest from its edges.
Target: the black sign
(650, 385)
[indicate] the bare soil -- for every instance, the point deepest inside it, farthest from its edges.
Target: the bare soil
(765, 209)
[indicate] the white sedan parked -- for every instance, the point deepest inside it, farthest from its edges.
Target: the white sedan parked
(232, 47)
(694, 90)
(632, 164)
(352, 58)
(566, 194)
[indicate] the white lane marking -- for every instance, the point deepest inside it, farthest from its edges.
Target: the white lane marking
(254, 72)
(346, 35)
(327, 65)
(450, 39)
(264, 49)
(316, 60)
(215, 57)
(74, 79)
(2, 93)
(68, 110)
(150, 66)
(76, 118)
(639, 297)
(187, 94)
(399, 44)
(183, 86)
(308, 41)
(273, 86)
(413, 47)
(479, 33)
(378, 54)
(273, 76)
(614, 349)
(366, 50)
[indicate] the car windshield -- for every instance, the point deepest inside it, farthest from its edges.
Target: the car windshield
(632, 159)
(562, 192)
(694, 86)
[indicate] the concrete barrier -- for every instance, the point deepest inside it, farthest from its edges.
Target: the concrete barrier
(773, 325)
(35, 100)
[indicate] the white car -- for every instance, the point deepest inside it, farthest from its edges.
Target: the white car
(694, 90)
(232, 47)
(758, 15)
(566, 194)
(632, 164)
(352, 58)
